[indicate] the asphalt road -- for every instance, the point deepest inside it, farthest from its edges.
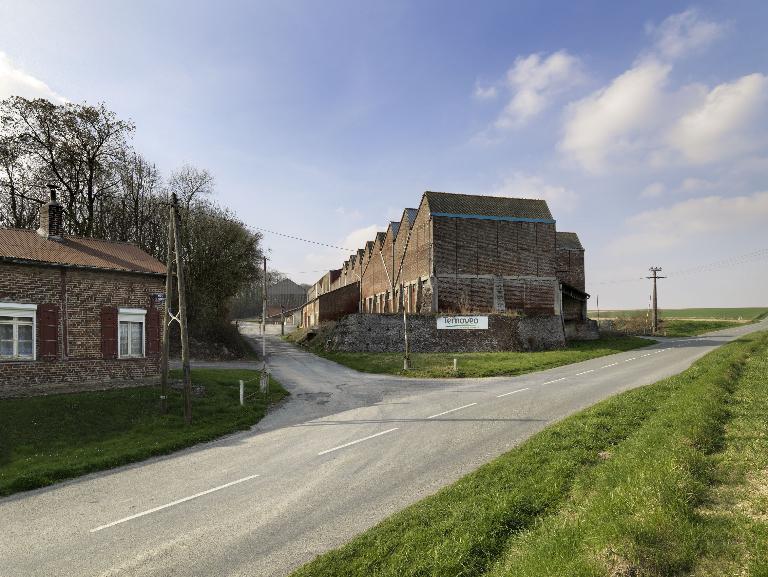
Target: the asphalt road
(349, 450)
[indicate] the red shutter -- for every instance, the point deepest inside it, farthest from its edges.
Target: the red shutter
(109, 332)
(48, 323)
(153, 331)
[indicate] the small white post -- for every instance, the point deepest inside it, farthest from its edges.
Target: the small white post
(242, 392)
(455, 365)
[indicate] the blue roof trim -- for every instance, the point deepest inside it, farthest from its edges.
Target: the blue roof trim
(505, 218)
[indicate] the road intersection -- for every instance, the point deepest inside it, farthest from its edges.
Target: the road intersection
(347, 451)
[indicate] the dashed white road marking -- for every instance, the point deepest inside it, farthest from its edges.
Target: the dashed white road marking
(451, 411)
(555, 381)
(171, 504)
(357, 441)
(512, 392)
(632, 359)
(585, 372)
(611, 365)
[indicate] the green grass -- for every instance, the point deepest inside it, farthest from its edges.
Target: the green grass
(614, 490)
(483, 364)
(46, 439)
(744, 313)
(689, 328)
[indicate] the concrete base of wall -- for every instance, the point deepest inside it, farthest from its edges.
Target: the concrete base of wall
(382, 333)
(582, 330)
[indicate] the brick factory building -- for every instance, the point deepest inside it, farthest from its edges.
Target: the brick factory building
(459, 253)
(75, 313)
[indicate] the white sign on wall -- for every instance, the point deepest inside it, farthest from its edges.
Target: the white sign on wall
(462, 322)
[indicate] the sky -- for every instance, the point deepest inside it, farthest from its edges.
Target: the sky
(643, 124)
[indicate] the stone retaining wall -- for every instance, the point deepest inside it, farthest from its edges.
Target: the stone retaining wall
(384, 333)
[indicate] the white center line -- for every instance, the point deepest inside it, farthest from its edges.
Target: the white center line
(611, 365)
(512, 392)
(451, 411)
(555, 381)
(177, 502)
(357, 441)
(585, 372)
(632, 359)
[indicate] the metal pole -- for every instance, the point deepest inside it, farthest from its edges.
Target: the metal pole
(185, 369)
(167, 317)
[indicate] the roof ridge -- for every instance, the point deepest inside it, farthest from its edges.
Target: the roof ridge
(484, 195)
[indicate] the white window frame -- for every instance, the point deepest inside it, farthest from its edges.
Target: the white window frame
(21, 310)
(132, 316)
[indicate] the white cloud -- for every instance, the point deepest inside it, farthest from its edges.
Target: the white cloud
(485, 92)
(716, 128)
(16, 82)
(357, 238)
(682, 34)
(521, 185)
(615, 118)
(653, 190)
(351, 214)
(534, 81)
(692, 184)
(691, 220)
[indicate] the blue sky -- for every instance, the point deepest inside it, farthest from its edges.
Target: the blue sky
(642, 123)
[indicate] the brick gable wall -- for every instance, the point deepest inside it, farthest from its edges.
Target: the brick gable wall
(79, 296)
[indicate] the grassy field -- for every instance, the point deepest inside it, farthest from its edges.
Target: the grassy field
(667, 479)
(691, 328)
(483, 364)
(743, 314)
(46, 439)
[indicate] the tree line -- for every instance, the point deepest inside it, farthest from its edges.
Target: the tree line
(110, 191)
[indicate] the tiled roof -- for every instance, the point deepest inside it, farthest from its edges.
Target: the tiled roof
(487, 206)
(28, 245)
(569, 240)
(395, 226)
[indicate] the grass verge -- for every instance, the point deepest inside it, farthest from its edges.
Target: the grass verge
(47, 439)
(692, 328)
(431, 365)
(612, 490)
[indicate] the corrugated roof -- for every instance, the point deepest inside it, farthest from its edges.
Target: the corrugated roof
(28, 245)
(410, 215)
(569, 240)
(488, 206)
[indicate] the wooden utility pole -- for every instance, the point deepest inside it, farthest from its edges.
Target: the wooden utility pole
(655, 312)
(167, 318)
(264, 316)
(407, 356)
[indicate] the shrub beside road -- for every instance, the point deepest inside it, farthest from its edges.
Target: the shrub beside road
(47, 439)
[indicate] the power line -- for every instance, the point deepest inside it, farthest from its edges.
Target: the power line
(303, 239)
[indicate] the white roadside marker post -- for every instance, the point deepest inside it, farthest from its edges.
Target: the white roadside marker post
(242, 392)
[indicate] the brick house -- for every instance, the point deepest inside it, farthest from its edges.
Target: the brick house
(459, 253)
(76, 313)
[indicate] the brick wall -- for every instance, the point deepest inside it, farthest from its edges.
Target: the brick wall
(79, 295)
(570, 267)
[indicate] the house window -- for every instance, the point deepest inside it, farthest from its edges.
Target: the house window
(131, 332)
(17, 331)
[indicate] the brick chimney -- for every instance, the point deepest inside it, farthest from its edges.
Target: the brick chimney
(52, 218)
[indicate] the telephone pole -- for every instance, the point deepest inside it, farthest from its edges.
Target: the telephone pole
(174, 259)
(655, 314)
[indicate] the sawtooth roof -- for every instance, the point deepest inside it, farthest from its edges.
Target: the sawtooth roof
(30, 247)
(488, 206)
(568, 240)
